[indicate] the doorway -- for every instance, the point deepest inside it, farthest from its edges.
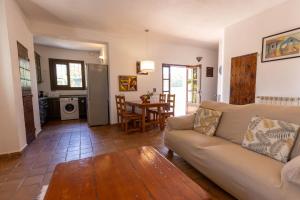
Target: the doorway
(77, 73)
(243, 79)
(25, 79)
(183, 81)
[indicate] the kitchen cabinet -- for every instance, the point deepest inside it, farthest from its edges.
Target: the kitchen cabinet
(82, 103)
(43, 105)
(53, 112)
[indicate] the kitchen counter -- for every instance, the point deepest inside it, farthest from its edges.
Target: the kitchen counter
(50, 107)
(64, 96)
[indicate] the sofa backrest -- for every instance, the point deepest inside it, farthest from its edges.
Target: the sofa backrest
(235, 119)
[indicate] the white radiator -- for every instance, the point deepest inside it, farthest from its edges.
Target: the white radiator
(289, 101)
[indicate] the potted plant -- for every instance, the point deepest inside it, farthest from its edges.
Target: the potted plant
(146, 97)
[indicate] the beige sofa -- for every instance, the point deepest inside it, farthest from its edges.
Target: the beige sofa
(241, 172)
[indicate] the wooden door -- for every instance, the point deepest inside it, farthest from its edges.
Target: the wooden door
(243, 79)
(29, 119)
(24, 68)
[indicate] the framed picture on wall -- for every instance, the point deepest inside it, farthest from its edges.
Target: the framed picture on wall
(127, 83)
(209, 72)
(281, 46)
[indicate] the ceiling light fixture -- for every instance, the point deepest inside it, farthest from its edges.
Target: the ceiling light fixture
(147, 65)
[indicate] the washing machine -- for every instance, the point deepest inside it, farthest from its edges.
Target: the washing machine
(69, 108)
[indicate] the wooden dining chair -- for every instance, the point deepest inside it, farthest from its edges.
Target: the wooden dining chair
(154, 111)
(168, 111)
(124, 117)
(162, 97)
(120, 104)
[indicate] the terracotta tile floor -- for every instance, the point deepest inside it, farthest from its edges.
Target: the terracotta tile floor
(22, 177)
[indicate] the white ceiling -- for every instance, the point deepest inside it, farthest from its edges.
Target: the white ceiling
(68, 44)
(201, 21)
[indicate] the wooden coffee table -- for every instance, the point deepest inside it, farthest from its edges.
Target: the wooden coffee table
(140, 173)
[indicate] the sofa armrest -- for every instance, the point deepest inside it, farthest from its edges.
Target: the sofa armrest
(181, 123)
(291, 172)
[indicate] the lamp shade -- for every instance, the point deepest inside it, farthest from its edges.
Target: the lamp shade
(147, 66)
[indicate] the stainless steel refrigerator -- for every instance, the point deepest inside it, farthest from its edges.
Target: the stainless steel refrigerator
(97, 92)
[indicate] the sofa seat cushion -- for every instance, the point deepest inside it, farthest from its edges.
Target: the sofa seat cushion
(235, 167)
(239, 171)
(189, 140)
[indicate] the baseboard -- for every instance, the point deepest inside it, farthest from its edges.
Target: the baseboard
(23, 148)
(10, 155)
(37, 132)
(13, 154)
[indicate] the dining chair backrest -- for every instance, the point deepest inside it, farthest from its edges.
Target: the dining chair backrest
(171, 101)
(162, 98)
(120, 103)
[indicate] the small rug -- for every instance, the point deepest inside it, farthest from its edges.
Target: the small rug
(42, 193)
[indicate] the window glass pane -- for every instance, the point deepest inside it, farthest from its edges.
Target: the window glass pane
(190, 85)
(166, 85)
(190, 73)
(166, 72)
(194, 85)
(190, 94)
(75, 75)
(194, 99)
(61, 74)
(195, 73)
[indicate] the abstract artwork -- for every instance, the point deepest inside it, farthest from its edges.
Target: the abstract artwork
(127, 83)
(280, 46)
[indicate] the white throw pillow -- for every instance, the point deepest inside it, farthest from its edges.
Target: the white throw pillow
(207, 121)
(273, 138)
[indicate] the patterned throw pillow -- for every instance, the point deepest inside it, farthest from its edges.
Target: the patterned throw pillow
(206, 121)
(272, 138)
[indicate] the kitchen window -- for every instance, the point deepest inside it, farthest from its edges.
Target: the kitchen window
(66, 74)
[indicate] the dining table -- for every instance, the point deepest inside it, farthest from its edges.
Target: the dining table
(144, 106)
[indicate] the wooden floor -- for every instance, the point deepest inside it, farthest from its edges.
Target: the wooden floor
(22, 177)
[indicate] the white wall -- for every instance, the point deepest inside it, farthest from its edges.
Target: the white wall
(278, 78)
(162, 53)
(14, 28)
(125, 50)
(47, 52)
(8, 134)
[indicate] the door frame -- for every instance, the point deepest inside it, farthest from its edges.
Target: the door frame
(199, 66)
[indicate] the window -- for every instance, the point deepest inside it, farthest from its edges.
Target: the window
(66, 74)
(24, 68)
